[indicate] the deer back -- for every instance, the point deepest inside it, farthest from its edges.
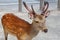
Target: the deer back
(15, 24)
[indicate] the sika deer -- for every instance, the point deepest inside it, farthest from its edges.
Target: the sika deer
(21, 28)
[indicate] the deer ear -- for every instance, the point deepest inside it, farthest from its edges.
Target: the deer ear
(47, 14)
(32, 14)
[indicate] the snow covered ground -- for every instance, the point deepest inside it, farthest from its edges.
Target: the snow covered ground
(53, 24)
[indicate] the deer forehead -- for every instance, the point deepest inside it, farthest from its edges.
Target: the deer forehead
(39, 18)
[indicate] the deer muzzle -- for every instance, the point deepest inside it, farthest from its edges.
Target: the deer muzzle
(45, 30)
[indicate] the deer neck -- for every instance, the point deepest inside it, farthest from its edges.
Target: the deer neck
(33, 31)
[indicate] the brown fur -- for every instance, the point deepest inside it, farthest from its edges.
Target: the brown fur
(15, 24)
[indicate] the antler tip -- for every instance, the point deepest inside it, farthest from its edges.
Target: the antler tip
(23, 2)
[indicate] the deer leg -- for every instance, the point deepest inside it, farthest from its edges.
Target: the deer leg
(18, 37)
(25, 37)
(6, 34)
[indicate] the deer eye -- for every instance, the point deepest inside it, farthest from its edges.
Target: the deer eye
(36, 21)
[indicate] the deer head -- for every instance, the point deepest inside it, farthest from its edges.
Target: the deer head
(39, 20)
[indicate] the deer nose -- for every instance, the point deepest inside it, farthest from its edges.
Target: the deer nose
(45, 30)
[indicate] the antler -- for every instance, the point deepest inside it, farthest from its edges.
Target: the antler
(31, 12)
(46, 5)
(45, 10)
(27, 7)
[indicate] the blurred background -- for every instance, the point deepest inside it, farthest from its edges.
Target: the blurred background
(52, 21)
(13, 5)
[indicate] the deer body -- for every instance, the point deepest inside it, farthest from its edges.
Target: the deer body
(12, 21)
(17, 26)
(21, 28)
